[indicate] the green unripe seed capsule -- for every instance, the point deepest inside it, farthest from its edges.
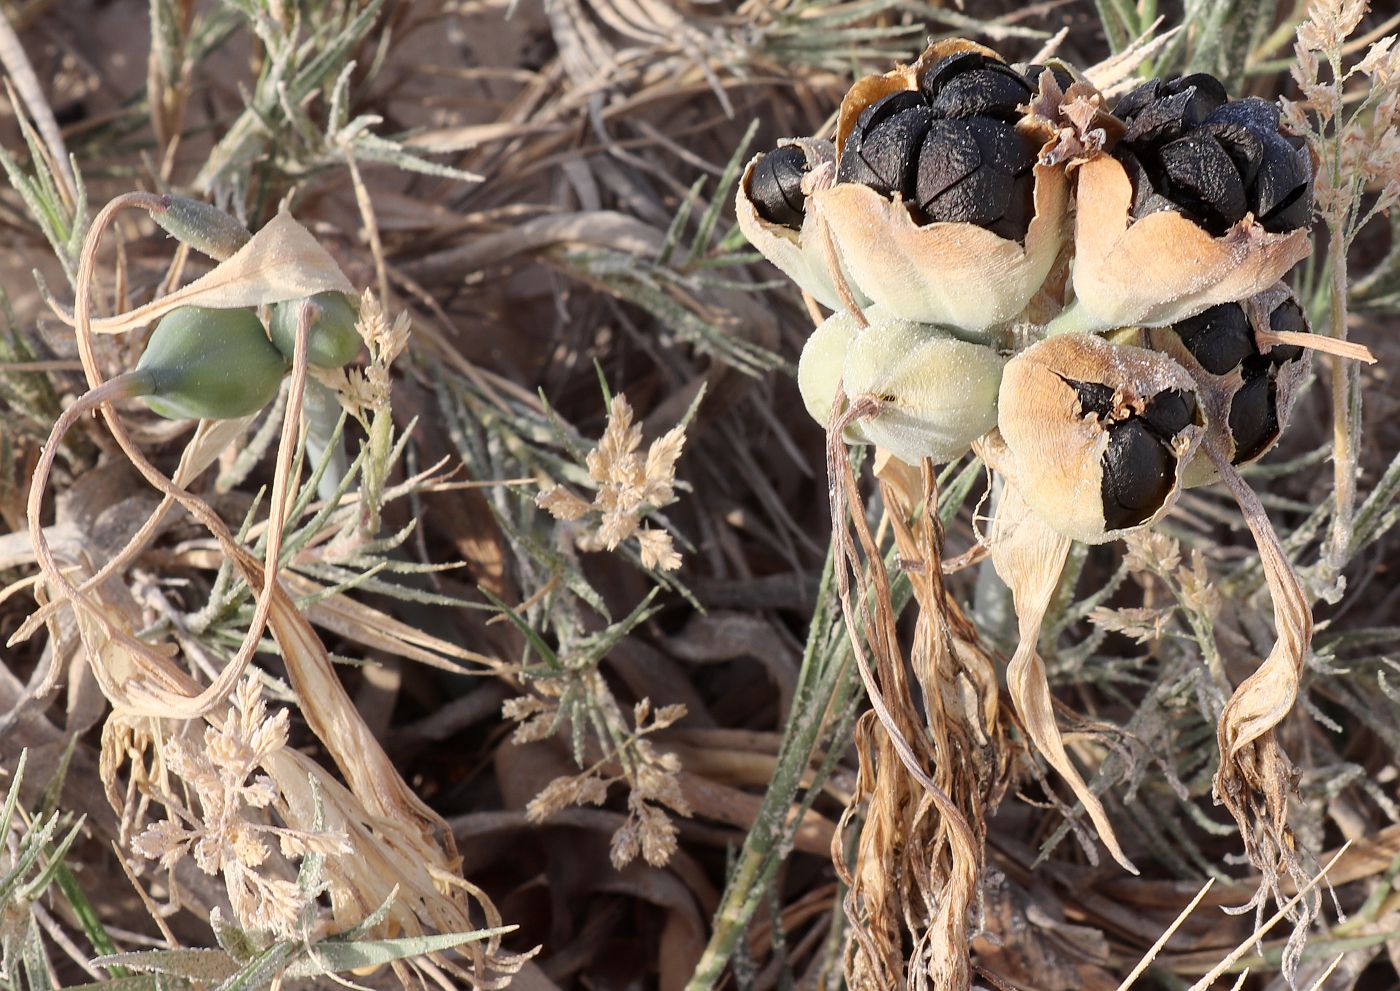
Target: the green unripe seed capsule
(332, 340)
(206, 364)
(202, 226)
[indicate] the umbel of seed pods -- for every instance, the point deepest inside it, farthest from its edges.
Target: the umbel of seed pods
(1101, 348)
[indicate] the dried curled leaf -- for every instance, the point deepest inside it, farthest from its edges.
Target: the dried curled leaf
(1029, 556)
(282, 261)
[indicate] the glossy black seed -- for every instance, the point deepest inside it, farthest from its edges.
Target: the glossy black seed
(776, 186)
(884, 141)
(948, 67)
(1287, 318)
(948, 156)
(1253, 417)
(1219, 338)
(1136, 100)
(1244, 146)
(1169, 413)
(1202, 178)
(1162, 112)
(1062, 78)
(1281, 196)
(1138, 474)
(1146, 198)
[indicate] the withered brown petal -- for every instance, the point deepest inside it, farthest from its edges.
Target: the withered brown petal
(1253, 415)
(1204, 181)
(1219, 338)
(776, 186)
(1138, 475)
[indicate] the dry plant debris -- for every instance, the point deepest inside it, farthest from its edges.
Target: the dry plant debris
(414, 663)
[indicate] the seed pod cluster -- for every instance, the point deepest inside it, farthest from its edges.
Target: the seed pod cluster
(1098, 433)
(1085, 291)
(1249, 387)
(1191, 149)
(950, 149)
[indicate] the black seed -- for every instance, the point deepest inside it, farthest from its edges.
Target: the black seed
(1259, 116)
(994, 91)
(1094, 397)
(1138, 474)
(1146, 198)
(1253, 417)
(979, 171)
(1287, 318)
(1134, 102)
(1244, 146)
(1062, 78)
(947, 68)
(1281, 196)
(1204, 181)
(1169, 413)
(1219, 338)
(884, 141)
(949, 156)
(1174, 107)
(776, 186)
(1207, 93)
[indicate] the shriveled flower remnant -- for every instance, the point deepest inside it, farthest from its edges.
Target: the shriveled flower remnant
(628, 486)
(221, 834)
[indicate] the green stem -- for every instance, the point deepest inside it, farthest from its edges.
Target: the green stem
(322, 411)
(1073, 319)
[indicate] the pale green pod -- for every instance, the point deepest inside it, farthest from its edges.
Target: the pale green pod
(937, 393)
(332, 340)
(819, 368)
(207, 364)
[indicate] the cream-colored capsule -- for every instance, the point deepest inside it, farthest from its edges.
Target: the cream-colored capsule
(801, 253)
(1098, 434)
(937, 394)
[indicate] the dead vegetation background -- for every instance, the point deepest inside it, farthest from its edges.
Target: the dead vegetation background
(578, 586)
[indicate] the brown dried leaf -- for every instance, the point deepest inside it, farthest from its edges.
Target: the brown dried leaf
(1029, 556)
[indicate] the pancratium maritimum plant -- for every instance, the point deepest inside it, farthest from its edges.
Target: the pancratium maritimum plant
(1086, 293)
